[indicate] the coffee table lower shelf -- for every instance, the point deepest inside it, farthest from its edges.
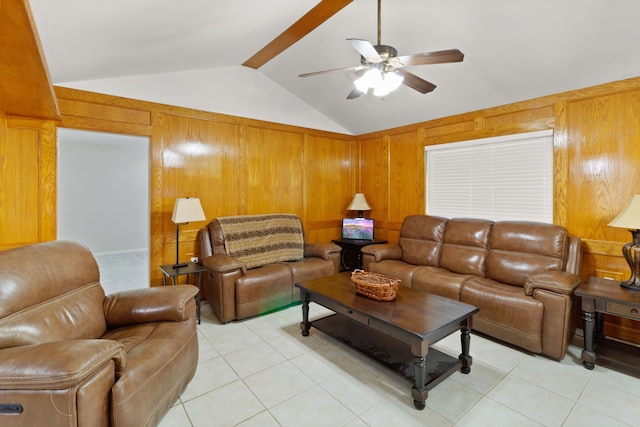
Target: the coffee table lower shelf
(387, 351)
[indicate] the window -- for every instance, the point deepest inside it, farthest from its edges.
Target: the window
(502, 178)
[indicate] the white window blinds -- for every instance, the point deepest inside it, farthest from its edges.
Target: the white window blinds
(501, 178)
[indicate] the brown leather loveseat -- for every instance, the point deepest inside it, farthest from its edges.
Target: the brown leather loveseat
(254, 261)
(521, 275)
(69, 356)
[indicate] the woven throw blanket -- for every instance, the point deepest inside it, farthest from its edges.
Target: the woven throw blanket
(258, 240)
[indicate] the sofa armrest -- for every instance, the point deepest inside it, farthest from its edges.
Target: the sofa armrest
(383, 251)
(555, 281)
(222, 263)
(162, 303)
(321, 250)
(56, 365)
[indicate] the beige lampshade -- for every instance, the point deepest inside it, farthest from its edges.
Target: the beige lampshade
(630, 217)
(359, 203)
(187, 209)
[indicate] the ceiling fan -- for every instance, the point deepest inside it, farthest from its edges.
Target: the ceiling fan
(382, 70)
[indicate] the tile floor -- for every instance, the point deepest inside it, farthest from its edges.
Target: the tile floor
(261, 372)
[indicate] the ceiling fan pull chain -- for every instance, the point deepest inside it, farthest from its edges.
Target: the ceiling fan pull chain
(379, 21)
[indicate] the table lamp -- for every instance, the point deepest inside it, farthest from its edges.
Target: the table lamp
(359, 203)
(629, 218)
(185, 210)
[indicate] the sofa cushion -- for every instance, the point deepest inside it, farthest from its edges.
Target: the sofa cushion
(258, 240)
(466, 243)
(519, 250)
(439, 281)
(421, 239)
(263, 289)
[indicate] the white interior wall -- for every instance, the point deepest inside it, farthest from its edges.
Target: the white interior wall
(103, 190)
(251, 95)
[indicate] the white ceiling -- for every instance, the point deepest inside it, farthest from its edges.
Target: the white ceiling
(514, 49)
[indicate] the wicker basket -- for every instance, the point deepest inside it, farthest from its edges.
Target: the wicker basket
(375, 286)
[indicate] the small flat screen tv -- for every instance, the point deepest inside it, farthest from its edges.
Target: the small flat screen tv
(357, 228)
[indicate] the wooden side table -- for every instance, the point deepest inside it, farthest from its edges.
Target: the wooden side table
(600, 297)
(351, 252)
(189, 269)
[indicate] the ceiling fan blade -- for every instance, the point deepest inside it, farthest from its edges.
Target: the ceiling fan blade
(415, 82)
(440, 57)
(366, 49)
(315, 73)
(303, 26)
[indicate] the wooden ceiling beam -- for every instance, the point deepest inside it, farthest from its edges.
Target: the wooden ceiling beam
(303, 26)
(25, 85)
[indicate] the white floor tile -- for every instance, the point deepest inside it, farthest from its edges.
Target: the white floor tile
(492, 353)
(621, 405)
(583, 416)
(176, 417)
(565, 380)
(210, 375)
(234, 340)
(224, 407)
(489, 413)
(482, 377)
(263, 419)
(535, 402)
(452, 399)
(312, 408)
(359, 391)
(206, 351)
(251, 360)
(323, 363)
(398, 410)
(278, 383)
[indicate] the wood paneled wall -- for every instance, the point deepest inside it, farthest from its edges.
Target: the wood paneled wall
(27, 181)
(235, 166)
(596, 170)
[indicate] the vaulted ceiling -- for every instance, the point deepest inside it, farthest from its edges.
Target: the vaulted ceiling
(514, 49)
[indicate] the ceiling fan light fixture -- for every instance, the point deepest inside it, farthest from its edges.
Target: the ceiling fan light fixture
(390, 81)
(371, 79)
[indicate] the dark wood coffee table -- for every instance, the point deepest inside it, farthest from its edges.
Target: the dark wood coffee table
(396, 333)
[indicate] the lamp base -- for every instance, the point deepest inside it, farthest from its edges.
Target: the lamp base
(180, 265)
(631, 252)
(632, 286)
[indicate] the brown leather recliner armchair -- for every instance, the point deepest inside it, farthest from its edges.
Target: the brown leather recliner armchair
(69, 356)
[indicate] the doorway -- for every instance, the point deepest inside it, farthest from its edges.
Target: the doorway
(103, 202)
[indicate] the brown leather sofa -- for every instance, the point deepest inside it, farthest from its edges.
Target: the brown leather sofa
(69, 356)
(237, 290)
(521, 275)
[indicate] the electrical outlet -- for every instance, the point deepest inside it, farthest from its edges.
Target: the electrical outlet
(194, 259)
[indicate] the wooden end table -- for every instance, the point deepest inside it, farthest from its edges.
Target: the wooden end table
(600, 297)
(352, 252)
(191, 268)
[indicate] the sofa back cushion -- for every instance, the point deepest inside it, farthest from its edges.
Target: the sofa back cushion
(466, 245)
(421, 239)
(259, 240)
(49, 292)
(519, 249)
